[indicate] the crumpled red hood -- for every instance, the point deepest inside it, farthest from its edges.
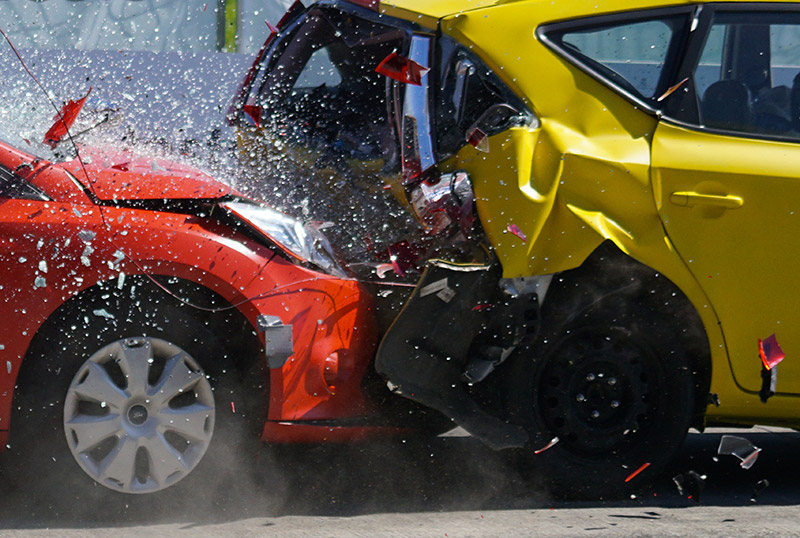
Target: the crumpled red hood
(126, 176)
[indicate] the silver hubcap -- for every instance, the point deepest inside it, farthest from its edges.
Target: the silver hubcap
(139, 415)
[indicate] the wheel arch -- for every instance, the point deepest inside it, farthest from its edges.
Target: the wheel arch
(608, 271)
(239, 336)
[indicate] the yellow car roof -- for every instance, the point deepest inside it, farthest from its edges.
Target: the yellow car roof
(439, 9)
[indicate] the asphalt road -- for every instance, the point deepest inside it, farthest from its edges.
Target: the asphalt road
(450, 487)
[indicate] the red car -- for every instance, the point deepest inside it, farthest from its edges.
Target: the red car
(148, 307)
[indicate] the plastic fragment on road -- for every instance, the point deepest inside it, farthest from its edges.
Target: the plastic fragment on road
(8, 366)
(548, 446)
(635, 473)
(514, 229)
(690, 484)
(233, 408)
(64, 120)
(402, 69)
(732, 445)
(770, 352)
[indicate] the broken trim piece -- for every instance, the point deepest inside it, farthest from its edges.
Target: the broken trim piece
(278, 340)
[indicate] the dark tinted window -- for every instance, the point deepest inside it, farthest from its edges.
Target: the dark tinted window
(13, 186)
(748, 74)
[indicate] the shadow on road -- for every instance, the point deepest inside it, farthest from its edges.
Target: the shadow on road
(438, 475)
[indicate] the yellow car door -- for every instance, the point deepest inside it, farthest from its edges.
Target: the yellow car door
(726, 177)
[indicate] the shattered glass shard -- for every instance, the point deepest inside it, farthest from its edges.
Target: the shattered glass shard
(64, 120)
(478, 139)
(86, 235)
(103, 313)
(747, 452)
(770, 352)
(400, 68)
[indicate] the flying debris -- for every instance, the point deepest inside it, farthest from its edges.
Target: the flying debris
(635, 473)
(740, 447)
(514, 229)
(690, 484)
(759, 488)
(548, 446)
(64, 120)
(771, 354)
(403, 69)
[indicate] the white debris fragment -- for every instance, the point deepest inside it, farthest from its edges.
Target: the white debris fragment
(86, 235)
(8, 366)
(121, 281)
(39, 244)
(77, 213)
(39, 282)
(103, 313)
(85, 256)
(43, 266)
(22, 259)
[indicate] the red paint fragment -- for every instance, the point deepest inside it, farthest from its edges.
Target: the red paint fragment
(64, 120)
(770, 352)
(637, 471)
(514, 229)
(233, 408)
(400, 68)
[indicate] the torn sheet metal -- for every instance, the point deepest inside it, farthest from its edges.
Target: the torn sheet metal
(740, 447)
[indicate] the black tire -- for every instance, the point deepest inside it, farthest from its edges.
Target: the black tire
(40, 456)
(615, 388)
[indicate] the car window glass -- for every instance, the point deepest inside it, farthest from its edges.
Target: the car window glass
(636, 52)
(327, 141)
(319, 70)
(467, 89)
(747, 77)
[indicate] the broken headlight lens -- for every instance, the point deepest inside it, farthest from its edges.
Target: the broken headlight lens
(303, 241)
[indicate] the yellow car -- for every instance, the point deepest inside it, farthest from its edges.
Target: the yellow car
(632, 168)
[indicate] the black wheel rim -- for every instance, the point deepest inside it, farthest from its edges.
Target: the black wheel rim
(597, 390)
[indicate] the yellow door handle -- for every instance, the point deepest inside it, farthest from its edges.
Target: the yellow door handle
(691, 199)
